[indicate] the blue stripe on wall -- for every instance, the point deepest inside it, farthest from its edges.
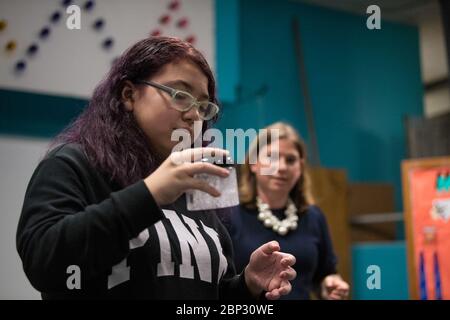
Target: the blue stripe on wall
(38, 115)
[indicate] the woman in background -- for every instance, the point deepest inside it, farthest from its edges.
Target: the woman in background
(279, 207)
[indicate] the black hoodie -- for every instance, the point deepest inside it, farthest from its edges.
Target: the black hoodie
(80, 236)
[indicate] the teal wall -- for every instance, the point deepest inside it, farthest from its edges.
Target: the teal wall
(362, 82)
(227, 48)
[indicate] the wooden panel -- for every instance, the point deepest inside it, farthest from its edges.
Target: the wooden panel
(366, 198)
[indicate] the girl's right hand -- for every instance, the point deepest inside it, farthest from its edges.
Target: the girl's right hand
(176, 174)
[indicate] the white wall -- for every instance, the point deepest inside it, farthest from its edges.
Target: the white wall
(71, 62)
(18, 159)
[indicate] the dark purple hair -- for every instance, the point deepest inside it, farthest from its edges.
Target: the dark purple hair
(107, 132)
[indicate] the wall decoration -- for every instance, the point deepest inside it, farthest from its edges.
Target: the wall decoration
(426, 196)
(50, 58)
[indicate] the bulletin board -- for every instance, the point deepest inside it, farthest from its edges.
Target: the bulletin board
(426, 198)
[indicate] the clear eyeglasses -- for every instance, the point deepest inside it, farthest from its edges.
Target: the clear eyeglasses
(184, 101)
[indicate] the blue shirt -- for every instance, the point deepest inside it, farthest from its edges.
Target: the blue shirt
(310, 243)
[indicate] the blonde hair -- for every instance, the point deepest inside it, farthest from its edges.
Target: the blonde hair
(300, 193)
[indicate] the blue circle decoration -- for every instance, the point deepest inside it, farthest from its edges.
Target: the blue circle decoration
(44, 33)
(108, 43)
(98, 24)
(32, 49)
(21, 65)
(56, 16)
(89, 5)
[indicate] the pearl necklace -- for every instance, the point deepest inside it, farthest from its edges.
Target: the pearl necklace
(271, 221)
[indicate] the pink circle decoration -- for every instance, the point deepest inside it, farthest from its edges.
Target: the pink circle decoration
(174, 5)
(165, 19)
(191, 39)
(155, 33)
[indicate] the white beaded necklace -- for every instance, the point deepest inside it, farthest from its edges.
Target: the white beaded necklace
(271, 221)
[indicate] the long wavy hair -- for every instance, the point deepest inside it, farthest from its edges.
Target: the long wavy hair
(108, 133)
(300, 193)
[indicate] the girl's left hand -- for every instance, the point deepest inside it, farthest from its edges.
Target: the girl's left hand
(270, 270)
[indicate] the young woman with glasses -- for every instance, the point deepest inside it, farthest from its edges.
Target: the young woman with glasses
(104, 214)
(279, 206)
